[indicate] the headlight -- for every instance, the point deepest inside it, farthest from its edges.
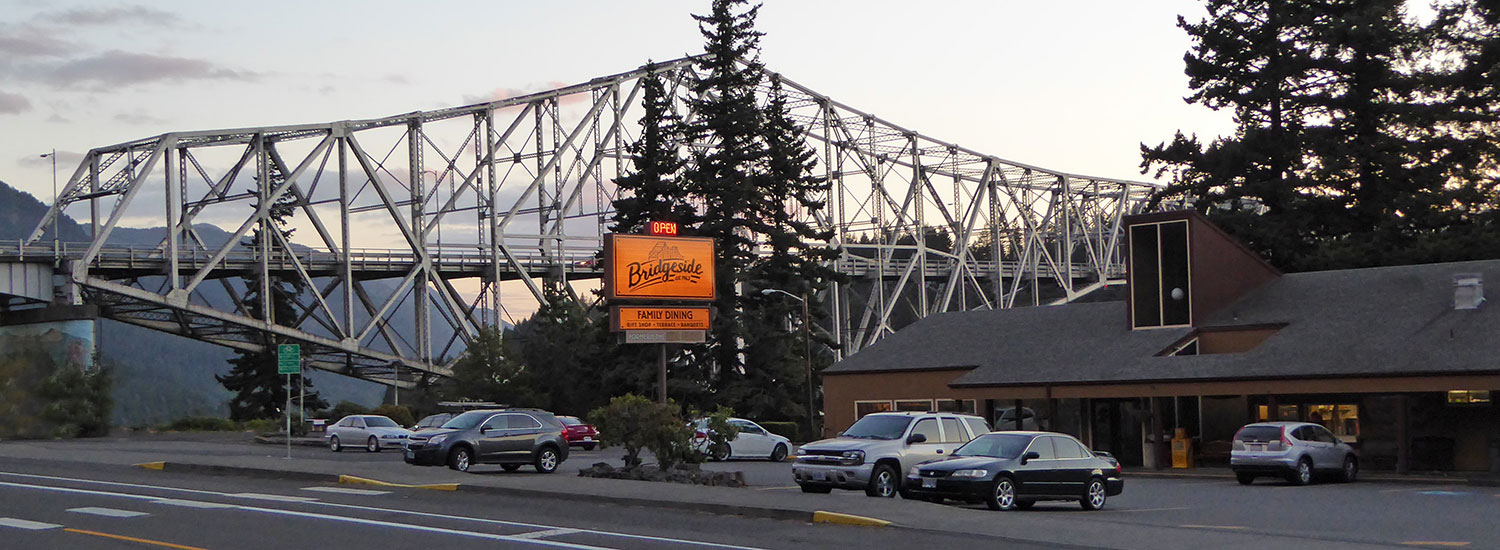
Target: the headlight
(971, 473)
(915, 471)
(853, 457)
(437, 439)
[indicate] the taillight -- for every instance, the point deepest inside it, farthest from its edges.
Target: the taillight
(1237, 445)
(700, 435)
(1280, 444)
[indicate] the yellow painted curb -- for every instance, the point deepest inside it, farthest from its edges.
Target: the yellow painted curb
(158, 466)
(847, 519)
(363, 481)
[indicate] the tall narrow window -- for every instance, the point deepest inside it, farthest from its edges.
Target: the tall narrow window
(1145, 277)
(1160, 293)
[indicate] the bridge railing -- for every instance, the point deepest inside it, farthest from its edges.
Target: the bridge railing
(362, 259)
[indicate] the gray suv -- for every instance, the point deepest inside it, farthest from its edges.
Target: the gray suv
(1291, 450)
(509, 437)
(875, 453)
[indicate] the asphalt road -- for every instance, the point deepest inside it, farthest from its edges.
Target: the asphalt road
(53, 506)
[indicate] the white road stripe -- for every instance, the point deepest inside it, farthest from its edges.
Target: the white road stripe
(27, 525)
(547, 533)
(278, 498)
(346, 491)
(109, 512)
(183, 503)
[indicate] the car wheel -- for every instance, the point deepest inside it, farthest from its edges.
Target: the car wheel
(588, 446)
(1302, 474)
(333, 444)
(883, 482)
(1351, 469)
(1244, 479)
(546, 460)
(778, 454)
(510, 467)
(1002, 495)
(1025, 504)
(819, 489)
(372, 444)
(460, 459)
(719, 453)
(1094, 496)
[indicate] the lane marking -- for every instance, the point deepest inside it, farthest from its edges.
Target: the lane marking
(27, 525)
(346, 491)
(1446, 493)
(201, 504)
(1153, 509)
(798, 487)
(547, 533)
(1228, 527)
(1435, 543)
(109, 512)
(158, 466)
(133, 539)
(278, 498)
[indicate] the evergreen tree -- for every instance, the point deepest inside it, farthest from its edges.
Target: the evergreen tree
(653, 189)
(259, 391)
(724, 174)
(1350, 149)
(487, 372)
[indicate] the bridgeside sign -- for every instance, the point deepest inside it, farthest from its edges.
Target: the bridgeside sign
(651, 267)
(627, 318)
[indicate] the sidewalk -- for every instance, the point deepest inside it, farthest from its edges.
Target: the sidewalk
(1426, 478)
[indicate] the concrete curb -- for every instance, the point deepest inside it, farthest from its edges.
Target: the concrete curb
(1169, 474)
(354, 480)
(712, 508)
(848, 519)
(210, 469)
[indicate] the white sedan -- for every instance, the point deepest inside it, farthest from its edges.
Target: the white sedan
(372, 431)
(753, 442)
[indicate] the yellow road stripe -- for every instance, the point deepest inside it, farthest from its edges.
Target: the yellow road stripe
(152, 465)
(1214, 526)
(847, 519)
(1435, 543)
(133, 539)
(364, 481)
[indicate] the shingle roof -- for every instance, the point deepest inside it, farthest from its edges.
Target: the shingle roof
(1375, 321)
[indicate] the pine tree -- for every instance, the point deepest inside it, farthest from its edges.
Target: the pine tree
(653, 190)
(723, 176)
(259, 391)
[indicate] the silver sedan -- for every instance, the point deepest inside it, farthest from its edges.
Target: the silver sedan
(373, 431)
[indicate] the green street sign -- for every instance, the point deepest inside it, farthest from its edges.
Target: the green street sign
(289, 359)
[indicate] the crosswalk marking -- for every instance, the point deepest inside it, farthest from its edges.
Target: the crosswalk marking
(547, 533)
(108, 512)
(277, 498)
(27, 525)
(346, 491)
(192, 503)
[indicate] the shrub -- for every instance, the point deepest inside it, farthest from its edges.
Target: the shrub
(265, 425)
(636, 423)
(78, 402)
(400, 413)
(343, 409)
(720, 431)
(789, 430)
(203, 424)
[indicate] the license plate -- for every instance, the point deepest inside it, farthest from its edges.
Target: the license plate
(587, 438)
(820, 476)
(929, 483)
(410, 453)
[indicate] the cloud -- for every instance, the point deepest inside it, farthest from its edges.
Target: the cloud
(18, 41)
(118, 68)
(111, 16)
(139, 119)
(499, 94)
(11, 104)
(66, 160)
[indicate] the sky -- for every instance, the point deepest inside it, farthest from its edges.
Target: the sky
(1073, 86)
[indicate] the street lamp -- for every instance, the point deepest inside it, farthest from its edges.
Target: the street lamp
(56, 243)
(806, 355)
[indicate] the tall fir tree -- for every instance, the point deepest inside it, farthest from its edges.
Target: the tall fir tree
(1346, 152)
(653, 189)
(260, 392)
(723, 175)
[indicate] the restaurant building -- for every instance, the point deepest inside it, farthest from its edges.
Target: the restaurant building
(1206, 336)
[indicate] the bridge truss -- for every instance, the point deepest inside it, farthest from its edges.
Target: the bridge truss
(408, 225)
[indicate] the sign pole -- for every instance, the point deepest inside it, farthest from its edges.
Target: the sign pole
(288, 416)
(289, 362)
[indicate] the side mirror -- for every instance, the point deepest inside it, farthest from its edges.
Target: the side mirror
(916, 438)
(483, 429)
(1029, 456)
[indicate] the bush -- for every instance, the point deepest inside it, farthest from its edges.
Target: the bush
(789, 430)
(265, 425)
(78, 402)
(720, 431)
(203, 424)
(400, 413)
(636, 423)
(343, 409)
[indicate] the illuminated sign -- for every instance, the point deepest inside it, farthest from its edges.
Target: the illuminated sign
(650, 267)
(664, 229)
(658, 318)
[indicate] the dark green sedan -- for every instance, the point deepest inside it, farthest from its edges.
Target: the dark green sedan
(1009, 470)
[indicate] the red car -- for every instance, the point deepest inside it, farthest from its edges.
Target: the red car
(578, 433)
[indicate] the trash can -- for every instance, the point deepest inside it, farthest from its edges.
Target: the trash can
(1182, 449)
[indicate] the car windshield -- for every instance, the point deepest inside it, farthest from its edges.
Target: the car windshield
(1259, 433)
(466, 420)
(995, 446)
(380, 422)
(879, 427)
(570, 421)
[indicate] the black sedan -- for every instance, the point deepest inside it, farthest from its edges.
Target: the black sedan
(1009, 470)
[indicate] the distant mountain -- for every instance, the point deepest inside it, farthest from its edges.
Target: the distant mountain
(158, 376)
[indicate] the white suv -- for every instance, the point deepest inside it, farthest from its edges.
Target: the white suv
(1293, 450)
(876, 451)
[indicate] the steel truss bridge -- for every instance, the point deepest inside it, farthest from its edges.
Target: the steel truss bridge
(408, 225)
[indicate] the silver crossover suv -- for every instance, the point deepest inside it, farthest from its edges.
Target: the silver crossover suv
(1292, 450)
(875, 453)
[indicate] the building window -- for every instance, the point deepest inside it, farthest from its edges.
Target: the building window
(862, 408)
(1468, 397)
(914, 405)
(1160, 290)
(956, 405)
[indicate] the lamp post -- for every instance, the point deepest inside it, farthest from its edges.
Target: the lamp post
(56, 237)
(806, 356)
